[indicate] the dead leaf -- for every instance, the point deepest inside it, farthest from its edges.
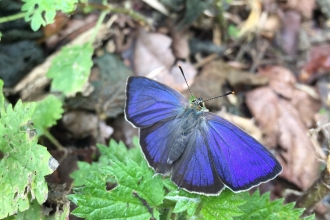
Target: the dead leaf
(281, 80)
(304, 7)
(271, 26)
(284, 114)
(291, 23)
(81, 123)
(318, 64)
(252, 21)
(180, 43)
(215, 74)
(152, 50)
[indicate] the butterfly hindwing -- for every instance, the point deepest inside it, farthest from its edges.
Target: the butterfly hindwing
(195, 171)
(149, 102)
(240, 160)
(156, 143)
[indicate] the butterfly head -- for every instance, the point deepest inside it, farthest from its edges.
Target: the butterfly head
(198, 104)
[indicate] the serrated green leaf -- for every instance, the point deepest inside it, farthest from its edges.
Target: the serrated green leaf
(84, 171)
(47, 112)
(115, 151)
(184, 201)
(140, 178)
(118, 151)
(70, 68)
(138, 192)
(260, 207)
(24, 164)
(224, 206)
(42, 12)
(34, 212)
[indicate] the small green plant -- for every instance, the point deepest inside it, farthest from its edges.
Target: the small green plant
(137, 193)
(25, 163)
(42, 12)
(71, 68)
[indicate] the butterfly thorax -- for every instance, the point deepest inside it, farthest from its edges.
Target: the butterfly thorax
(189, 120)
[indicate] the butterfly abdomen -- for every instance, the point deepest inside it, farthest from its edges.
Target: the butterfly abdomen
(182, 133)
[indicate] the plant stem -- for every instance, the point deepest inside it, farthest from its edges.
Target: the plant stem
(12, 17)
(53, 140)
(98, 25)
(133, 14)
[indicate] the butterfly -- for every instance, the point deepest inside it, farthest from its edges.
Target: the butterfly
(202, 152)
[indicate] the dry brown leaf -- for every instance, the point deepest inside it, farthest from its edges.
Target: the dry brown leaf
(152, 50)
(284, 114)
(180, 43)
(213, 76)
(252, 21)
(290, 30)
(280, 80)
(153, 57)
(271, 26)
(304, 7)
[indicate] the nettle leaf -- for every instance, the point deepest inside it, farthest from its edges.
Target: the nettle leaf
(70, 69)
(25, 163)
(47, 112)
(118, 151)
(42, 12)
(84, 171)
(260, 207)
(34, 212)
(225, 206)
(37, 211)
(115, 151)
(136, 196)
(184, 201)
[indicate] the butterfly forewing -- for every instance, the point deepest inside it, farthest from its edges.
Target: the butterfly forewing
(148, 102)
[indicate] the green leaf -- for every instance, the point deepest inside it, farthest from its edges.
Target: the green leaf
(34, 212)
(137, 195)
(224, 206)
(194, 8)
(42, 12)
(24, 164)
(2, 98)
(184, 201)
(70, 68)
(233, 31)
(260, 207)
(118, 151)
(47, 112)
(115, 151)
(84, 171)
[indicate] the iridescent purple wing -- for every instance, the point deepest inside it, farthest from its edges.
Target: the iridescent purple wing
(195, 170)
(240, 160)
(156, 142)
(149, 102)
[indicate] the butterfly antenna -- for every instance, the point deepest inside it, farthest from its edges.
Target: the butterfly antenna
(185, 79)
(228, 93)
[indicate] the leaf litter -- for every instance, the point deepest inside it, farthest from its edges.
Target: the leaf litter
(276, 61)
